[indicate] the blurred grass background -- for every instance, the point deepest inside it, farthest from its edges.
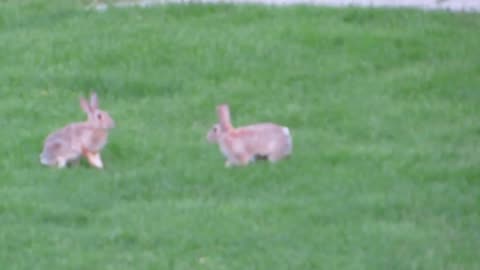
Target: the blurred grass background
(382, 104)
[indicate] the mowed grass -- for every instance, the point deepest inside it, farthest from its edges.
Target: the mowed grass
(383, 106)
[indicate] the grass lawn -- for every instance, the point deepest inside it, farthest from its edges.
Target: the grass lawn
(384, 107)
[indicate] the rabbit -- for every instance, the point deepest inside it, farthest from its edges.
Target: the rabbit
(88, 138)
(246, 144)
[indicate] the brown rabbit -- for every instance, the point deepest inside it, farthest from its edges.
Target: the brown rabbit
(245, 144)
(83, 138)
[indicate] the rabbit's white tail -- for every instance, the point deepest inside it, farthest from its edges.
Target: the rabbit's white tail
(45, 159)
(286, 131)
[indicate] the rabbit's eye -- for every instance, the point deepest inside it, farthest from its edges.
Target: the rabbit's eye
(99, 116)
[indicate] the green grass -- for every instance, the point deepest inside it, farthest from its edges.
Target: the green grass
(383, 106)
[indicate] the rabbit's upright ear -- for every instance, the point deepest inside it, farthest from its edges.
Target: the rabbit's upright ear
(223, 112)
(85, 105)
(94, 100)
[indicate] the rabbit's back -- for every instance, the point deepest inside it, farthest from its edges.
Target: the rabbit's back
(265, 139)
(60, 143)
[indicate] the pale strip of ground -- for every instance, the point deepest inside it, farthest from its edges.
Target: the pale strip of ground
(451, 5)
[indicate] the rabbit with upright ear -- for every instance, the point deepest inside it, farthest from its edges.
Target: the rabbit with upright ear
(79, 139)
(244, 144)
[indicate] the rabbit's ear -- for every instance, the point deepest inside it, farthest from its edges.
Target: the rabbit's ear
(93, 101)
(223, 113)
(85, 105)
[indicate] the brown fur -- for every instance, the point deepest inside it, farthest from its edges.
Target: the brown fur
(244, 144)
(79, 139)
